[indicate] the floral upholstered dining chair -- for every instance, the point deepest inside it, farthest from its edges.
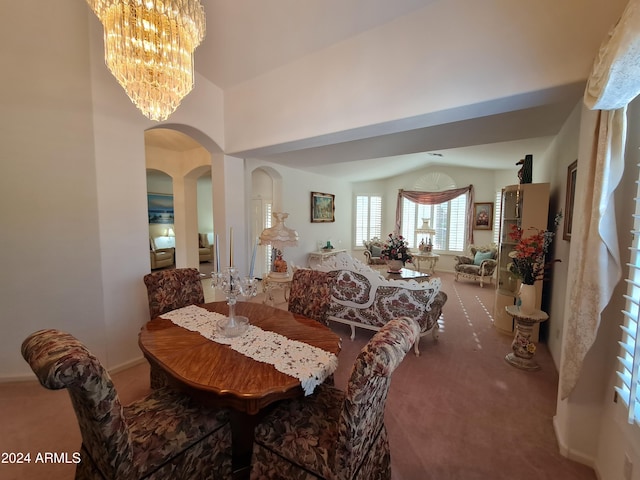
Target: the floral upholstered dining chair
(310, 293)
(334, 434)
(162, 436)
(169, 290)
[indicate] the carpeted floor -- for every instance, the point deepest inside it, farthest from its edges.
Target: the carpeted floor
(457, 412)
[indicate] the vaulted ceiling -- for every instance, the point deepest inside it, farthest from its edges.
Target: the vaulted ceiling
(248, 38)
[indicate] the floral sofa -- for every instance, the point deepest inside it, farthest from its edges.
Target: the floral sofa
(361, 297)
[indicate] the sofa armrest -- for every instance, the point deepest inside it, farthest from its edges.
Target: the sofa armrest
(488, 266)
(463, 260)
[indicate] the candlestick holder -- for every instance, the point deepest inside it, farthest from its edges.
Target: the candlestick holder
(233, 286)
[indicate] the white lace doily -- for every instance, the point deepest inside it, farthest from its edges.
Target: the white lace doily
(311, 365)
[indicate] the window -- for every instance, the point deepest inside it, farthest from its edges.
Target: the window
(497, 213)
(448, 219)
(629, 367)
(368, 218)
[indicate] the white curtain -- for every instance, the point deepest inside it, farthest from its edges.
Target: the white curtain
(613, 83)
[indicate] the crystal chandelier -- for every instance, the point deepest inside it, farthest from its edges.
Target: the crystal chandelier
(149, 47)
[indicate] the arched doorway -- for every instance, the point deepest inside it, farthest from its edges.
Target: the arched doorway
(187, 163)
(265, 199)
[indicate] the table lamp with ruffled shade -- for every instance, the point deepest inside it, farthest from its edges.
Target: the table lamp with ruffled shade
(279, 236)
(425, 229)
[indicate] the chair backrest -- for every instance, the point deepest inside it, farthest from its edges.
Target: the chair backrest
(493, 249)
(203, 240)
(59, 361)
(362, 415)
(310, 293)
(171, 289)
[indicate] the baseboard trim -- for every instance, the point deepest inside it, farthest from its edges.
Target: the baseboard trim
(566, 452)
(31, 377)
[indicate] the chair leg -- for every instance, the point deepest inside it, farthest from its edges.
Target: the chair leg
(157, 377)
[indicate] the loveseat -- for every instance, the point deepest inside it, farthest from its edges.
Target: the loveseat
(373, 249)
(361, 297)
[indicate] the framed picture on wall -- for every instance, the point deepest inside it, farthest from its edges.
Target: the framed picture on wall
(160, 208)
(572, 172)
(483, 216)
(322, 207)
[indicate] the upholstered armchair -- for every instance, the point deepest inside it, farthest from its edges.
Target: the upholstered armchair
(479, 266)
(334, 434)
(164, 435)
(373, 249)
(160, 257)
(205, 249)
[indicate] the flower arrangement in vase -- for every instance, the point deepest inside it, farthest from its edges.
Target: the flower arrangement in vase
(528, 257)
(396, 248)
(529, 261)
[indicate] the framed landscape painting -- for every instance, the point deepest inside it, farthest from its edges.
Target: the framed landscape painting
(483, 216)
(160, 208)
(322, 207)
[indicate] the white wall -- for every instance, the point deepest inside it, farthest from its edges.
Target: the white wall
(562, 152)
(74, 185)
(296, 201)
(51, 262)
(205, 206)
(390, 73)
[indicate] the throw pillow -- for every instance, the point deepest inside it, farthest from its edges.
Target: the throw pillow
(202, 240)
(375, 251)
(481, 257)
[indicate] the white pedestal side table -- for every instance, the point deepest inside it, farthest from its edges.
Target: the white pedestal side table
(429, 257)
(315, 259)
(271, 281)
(523, 347)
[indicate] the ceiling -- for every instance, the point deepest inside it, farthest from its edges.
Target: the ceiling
(246, 38)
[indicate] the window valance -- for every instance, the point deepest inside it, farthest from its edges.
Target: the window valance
(435, 198)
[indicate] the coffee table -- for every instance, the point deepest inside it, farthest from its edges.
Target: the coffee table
(408, 274)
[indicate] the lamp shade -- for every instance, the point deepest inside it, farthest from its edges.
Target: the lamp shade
(279, 235)
(426, 228)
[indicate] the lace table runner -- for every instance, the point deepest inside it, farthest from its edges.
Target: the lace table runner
(311, 365)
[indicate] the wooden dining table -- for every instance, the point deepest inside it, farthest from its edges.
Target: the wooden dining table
(214, 374)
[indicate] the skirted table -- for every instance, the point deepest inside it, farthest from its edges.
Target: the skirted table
(523, 347)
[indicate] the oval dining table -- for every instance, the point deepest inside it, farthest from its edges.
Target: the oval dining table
(215, 374)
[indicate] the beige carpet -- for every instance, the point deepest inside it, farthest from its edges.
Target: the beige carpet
(457, 412)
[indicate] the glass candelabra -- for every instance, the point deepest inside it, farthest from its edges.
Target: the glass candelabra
(233, 286)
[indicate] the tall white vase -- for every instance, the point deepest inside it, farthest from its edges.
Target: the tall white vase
(527, 299)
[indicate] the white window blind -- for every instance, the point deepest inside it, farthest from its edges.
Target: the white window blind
(457, 223)
(630, 352)
(448, 219)
(497, 213)
(267, 224)
(368, 218)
